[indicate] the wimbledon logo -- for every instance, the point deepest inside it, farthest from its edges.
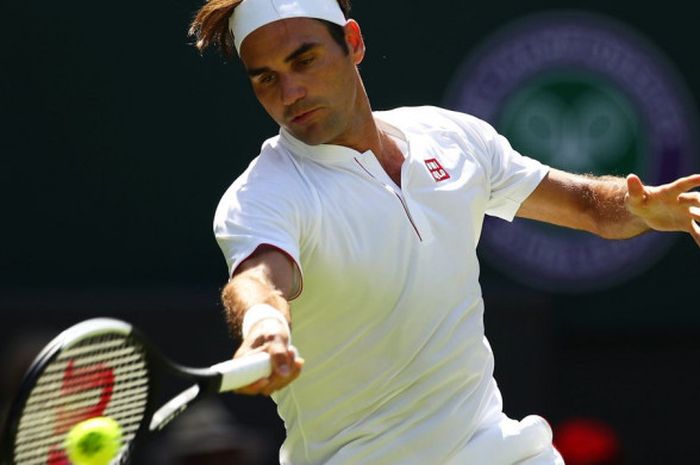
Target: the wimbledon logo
(583, 94)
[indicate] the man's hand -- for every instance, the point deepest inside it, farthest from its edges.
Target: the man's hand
(669, 207)
(271, 336)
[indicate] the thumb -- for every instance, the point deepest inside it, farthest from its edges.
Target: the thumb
(635, 190)
(280, 356)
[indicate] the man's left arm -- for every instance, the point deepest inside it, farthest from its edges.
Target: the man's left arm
(615, 208)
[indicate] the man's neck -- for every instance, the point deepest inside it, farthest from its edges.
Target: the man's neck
(365, 134)
(390, 156)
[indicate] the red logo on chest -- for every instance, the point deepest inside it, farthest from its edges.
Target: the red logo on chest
(436, 170)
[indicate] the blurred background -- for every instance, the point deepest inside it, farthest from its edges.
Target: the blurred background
(117, 140)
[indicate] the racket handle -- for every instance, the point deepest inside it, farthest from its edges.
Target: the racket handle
(243, 371)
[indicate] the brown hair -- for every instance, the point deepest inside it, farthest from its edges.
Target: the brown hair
(210, 25)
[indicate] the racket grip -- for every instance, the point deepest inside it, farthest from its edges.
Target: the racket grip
(243, 371)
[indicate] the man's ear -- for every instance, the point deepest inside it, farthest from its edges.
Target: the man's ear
(356, 44)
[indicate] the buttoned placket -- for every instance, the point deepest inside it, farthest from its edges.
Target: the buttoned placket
(367, 162)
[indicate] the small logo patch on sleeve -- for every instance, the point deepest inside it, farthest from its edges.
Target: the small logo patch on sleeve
(436, 170)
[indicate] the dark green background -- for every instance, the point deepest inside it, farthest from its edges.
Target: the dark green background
(117, 140)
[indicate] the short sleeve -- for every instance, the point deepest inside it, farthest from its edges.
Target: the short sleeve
(260, 208)
(511, 176)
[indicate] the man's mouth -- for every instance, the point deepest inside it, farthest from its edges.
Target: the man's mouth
(303, 116)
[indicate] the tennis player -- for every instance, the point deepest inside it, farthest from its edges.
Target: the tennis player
(367, 222)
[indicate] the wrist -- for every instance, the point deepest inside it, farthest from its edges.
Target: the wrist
(260, 312)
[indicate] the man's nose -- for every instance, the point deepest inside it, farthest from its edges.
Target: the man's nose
(292, 89)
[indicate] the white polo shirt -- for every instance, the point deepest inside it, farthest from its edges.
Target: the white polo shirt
(390, 317)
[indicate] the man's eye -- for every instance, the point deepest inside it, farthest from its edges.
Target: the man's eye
(266, 79)
(306, 61)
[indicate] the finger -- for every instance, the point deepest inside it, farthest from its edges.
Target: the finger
(246, 349)
(267, 386)
(687, 183)
(695, 213)
(277, 386)
(635, 189)
(690, 199)
(695, 232)
(278, 382)
(254, 388)
(281, 357)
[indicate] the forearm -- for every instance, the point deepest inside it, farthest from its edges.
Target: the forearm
(247, 289)
(588, 203)
(265, 278)
(615, 208)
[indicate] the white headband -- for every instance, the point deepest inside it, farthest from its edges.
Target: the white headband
(249, 15)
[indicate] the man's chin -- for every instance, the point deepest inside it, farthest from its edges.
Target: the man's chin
(309, 137)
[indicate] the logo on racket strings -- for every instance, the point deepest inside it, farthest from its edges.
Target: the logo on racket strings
(79, 382)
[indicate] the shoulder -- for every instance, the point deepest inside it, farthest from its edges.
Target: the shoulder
(431, 118)
(274, 163)
(274, 169)
(271, 178)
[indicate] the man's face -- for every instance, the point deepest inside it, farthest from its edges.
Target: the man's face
(303, 78)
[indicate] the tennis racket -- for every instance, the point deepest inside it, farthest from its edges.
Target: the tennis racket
(104, 367)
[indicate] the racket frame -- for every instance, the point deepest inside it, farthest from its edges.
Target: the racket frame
(206, 380)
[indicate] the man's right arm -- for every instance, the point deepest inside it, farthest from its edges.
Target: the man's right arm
(267, 277)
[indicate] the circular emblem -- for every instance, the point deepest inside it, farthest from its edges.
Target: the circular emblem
(585, 94)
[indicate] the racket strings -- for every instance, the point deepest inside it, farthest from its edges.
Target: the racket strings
(102, 375)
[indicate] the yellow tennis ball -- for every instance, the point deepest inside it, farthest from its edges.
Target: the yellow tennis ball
(95, 441)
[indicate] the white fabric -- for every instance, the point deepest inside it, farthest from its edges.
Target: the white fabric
(390, 320)
(250, 15)
(259, 312)
(551, 456)
(509, 442)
